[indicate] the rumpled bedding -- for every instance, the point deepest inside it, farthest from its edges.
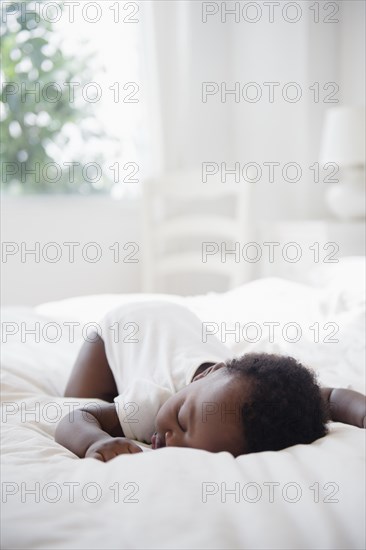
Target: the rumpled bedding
(303, 497)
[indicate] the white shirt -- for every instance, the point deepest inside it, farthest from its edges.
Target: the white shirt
(153, 349)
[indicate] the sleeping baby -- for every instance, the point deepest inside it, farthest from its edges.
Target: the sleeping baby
(163, 385)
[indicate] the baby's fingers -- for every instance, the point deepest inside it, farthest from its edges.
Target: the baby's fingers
(106, 450)
(103, 455)
(132, 448)
(97, 456)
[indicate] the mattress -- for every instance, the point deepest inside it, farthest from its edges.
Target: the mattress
(303, 497)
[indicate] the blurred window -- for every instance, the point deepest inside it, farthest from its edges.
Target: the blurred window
(73, 119)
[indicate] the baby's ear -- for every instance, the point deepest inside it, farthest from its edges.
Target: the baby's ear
(209, 370)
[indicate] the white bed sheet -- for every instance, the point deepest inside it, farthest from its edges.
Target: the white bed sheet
(180, 498)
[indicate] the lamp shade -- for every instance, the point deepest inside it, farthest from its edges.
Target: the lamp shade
(343, 138)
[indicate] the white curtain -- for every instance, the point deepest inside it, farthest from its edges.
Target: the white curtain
(188, 52)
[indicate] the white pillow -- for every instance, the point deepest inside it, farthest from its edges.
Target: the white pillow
(343, 284)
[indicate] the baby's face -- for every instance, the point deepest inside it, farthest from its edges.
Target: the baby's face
(204, 415)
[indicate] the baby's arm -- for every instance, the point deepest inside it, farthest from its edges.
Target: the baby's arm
(346, 406)
(94, 432)
(92, 375)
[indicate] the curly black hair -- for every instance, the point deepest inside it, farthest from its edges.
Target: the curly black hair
(285, 406)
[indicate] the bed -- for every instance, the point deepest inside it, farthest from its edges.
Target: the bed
(303, 497)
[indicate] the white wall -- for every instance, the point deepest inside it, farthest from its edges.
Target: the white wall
(273, 131)
(352, 48)
(32, 279)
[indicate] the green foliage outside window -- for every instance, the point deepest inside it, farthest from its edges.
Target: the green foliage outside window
(33, 125)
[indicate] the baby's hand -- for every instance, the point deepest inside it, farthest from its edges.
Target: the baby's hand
(109, 448)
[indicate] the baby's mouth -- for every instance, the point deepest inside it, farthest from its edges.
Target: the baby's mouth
(157, 441)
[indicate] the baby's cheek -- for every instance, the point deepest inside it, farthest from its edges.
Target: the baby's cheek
(158, 419)
(162, 418)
